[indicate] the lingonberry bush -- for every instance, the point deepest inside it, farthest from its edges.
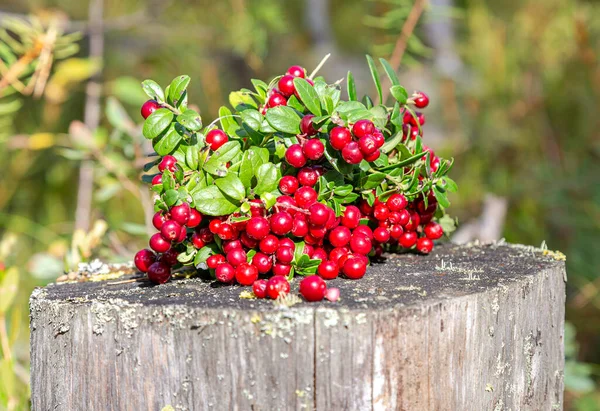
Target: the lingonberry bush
(293, 181)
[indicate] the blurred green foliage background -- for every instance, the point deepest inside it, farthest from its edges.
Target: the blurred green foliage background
(515, 87)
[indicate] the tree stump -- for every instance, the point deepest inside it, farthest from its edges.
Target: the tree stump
(465, 328)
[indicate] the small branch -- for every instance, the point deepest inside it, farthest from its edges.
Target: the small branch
(4, 339)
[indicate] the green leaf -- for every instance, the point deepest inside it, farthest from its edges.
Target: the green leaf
(399, 93)
(241, 100)
(308, 95)
(149, 165)
(379, 116)
(351, 87)
(166, 144)
(392, 142)
(299, 251)
(284, 119)
(450, 185)
(187, 256)
(448, 224)
(252, 118)
(211, 201)
(404, 163)
(216, 162)
(190, 120)
(177, 90)
(203, 254)
(389, 71)
(227, 120)
(372, 180)
(171, 197)
(8, 289)
(441, 197)
(157, 123)
(253, 158)
(260, 86)
(153, 90)
(191, 157)
(375, 75)
(267, 177)
(232, 186)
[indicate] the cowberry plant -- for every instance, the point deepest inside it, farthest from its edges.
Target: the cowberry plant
(292, 180)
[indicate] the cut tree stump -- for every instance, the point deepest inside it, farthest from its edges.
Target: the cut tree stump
(465, 328)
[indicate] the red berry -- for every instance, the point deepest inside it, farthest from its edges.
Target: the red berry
(381, 212)
(396, 231)
(309, 250)
(181, 213)
(284, 255)
(305, 197)
(259, 288)
(360, 244)
(313, 288)
(236, 257)
(286, 242)
(159, 244)
(281, 223)
(277, 286)
(362, 128)
(258, 228)
(328, 270)
(381, 235)
(300, 226)
(306, 126)
(149, 107)
(167, 163)
(403, 217)
(396, 202)
(363, 230)
(408, 239)
(318, 233)
(286, 85)
(215, 225)
(226, 232)
(225, 273)
(421, 99)
(307, 176)
(296, 71)
(433, 231)
(157, 179)
(269, 244)
(413, 223)
(159, 272)
(288, 185)
(351, 217)
(195, 218)
(339, 137)
(332, 294)
(229, 245)
(319, 254)
(379, 139)
(159, 219)
(294, 156)
(373, 156)
(257, 209)
(216, 138)
(280, 269)
(262, 262)
(214, 260)
(197, 242)
(276, 99)
(340, 236)
(367, 145)
(424, 245)
(338, 253)
(351, 153)
(170, 257)
(287, 202)
(143, 259)
(319, 214)
(246, 274)
(313, 149)
(248, 241)
(206, 235)
(170, 230)
(354, 268)
(365, 208)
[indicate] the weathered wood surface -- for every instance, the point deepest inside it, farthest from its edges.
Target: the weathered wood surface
(466, 328)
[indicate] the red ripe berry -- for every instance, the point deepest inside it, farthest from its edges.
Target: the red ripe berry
(246, 274)
(420, 118)
(379, 139)
(281, 269)
(318, 233)
(426, 218)
(226, 232)
(287, 202)
(262, 262)
(159, 244)
(149, 107)
(421, 99)
(413, 223)
(433, 231)
(340, 236)
(294, 156)
(159, 219)
(360, 244)
(306, 125)
(225, 273)
(410, 119)
(381, 235)
(328, 270)
(403, 217)
(143, 259)
(259, 288)
(373, 156)
(307, 176)
(281, 223)
(195, 218)
(229, 245)
(197, 241)
(363, 230)
(332, 294)
(339, 137)
(424, 245)
(182, 235)
(286, 242)
(159, 272)
(167, 163)
(354, 268)
(351, 217)
(247, 241)
(313, 288)
(288, 185)
(296, 71)
(305, 197)
(300, 226)
(206, 235)
(351, 153)
(170, 257)
(396, 202)
(216, 138)
(338, 253)
(181, 213)
(277, 286)
(396, 231)
(276, 99)
(236, 257)
(286, 85)
(319, 214)
(365, 208)
(309, 250)
(381, 212)
(214, 260)
(313, 149)
(157, 179)
(284, 255)
(319, 169)
(408, 239)
(215, 225)
(362, 128)
(269, 244)
(367, 145)
(319, 254)
(258, 228)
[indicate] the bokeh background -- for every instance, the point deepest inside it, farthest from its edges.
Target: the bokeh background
(515, 89)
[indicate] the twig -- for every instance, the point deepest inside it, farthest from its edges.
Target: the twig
(407, 29)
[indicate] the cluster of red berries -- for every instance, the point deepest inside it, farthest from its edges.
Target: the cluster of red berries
(285, 88)
(363, 143)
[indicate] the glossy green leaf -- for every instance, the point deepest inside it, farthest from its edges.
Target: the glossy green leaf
(375, 76)
(232, 186)
(284, 119)
(177, 90)
(267, 177)
(190, 119)
(218, 159)
(157, 123)
(153, 90)
(308, 96)
(399, 93)
(389, 71)
(351, 87)
(167, 143)
(211, 201)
